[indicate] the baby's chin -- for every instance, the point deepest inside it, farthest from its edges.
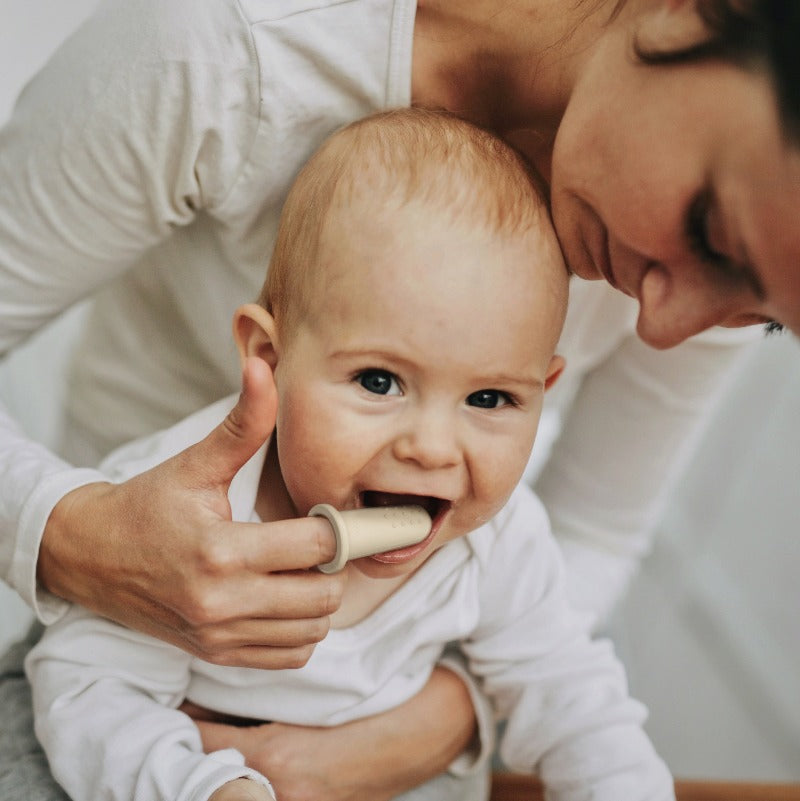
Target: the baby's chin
(373, 568)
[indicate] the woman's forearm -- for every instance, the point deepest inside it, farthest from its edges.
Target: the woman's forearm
(374, 759)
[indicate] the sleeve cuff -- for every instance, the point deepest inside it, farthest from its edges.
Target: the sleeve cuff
(481, 749)
(47, 607)
(226, 766)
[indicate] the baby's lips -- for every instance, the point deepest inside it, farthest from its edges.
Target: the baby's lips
(371, 530)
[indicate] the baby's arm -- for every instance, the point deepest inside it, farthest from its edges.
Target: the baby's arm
(104, 708)
(568, 714)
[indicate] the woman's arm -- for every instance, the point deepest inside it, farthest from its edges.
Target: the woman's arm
(374, 759)
(99, 162)
(633, 425)
(142, 118)
(138, 121)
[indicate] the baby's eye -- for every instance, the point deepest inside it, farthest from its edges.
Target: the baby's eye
(488, 399)
(379, 382)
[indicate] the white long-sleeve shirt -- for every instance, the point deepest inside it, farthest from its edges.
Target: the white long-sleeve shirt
(105, 698)
(146, 165)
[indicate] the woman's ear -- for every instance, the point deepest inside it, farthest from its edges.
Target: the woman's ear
(554, 370)
(255, 334)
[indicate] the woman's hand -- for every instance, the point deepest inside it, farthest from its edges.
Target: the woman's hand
(159, 552)
(374, 759)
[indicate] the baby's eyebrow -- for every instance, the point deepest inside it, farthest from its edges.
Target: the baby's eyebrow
(373, 357)
(514, 380)
(361, 353)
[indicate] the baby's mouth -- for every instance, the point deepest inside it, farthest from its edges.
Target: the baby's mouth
(437, 508)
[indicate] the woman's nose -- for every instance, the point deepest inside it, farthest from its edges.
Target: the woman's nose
(678, 302)
(429, 439)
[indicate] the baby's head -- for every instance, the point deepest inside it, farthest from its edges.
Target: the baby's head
(395, 161)
(413, 304)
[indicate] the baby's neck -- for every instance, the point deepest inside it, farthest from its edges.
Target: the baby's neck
(362, 596)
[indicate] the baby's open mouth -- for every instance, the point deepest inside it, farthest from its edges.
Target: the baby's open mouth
(437, 508)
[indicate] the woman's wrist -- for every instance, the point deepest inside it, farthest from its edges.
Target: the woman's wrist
(407, 746)
(67, 553)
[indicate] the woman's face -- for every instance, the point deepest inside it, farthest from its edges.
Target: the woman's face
(673, 183)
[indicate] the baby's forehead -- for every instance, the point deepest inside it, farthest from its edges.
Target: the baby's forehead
(376, 209)
(440, 247)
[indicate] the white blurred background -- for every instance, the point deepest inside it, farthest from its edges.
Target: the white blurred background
(710, 632)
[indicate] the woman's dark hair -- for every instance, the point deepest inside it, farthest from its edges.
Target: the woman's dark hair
(750, 32)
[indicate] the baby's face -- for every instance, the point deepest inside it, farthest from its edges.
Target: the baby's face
(419, 376)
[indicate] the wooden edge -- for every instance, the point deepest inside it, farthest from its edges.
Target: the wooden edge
(512, 787)
(735, 791)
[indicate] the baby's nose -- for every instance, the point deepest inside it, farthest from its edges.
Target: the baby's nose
(430, 440)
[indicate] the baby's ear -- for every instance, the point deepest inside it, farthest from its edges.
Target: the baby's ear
(255, 334)
(554, 370)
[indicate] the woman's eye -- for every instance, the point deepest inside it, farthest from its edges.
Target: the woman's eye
(379, 382)
(700, 237)
(697, 230)
(488, 399)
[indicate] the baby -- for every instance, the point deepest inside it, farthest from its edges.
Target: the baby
(410, 316)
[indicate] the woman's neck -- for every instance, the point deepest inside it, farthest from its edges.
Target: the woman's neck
(510, 69)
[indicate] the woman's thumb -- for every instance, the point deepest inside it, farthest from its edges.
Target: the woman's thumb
(245, 429)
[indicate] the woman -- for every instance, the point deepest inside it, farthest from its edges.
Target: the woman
(146, 165)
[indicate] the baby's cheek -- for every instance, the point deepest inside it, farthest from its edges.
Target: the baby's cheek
(499, 476)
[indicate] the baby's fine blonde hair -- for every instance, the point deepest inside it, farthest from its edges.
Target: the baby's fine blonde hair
(389, 159)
